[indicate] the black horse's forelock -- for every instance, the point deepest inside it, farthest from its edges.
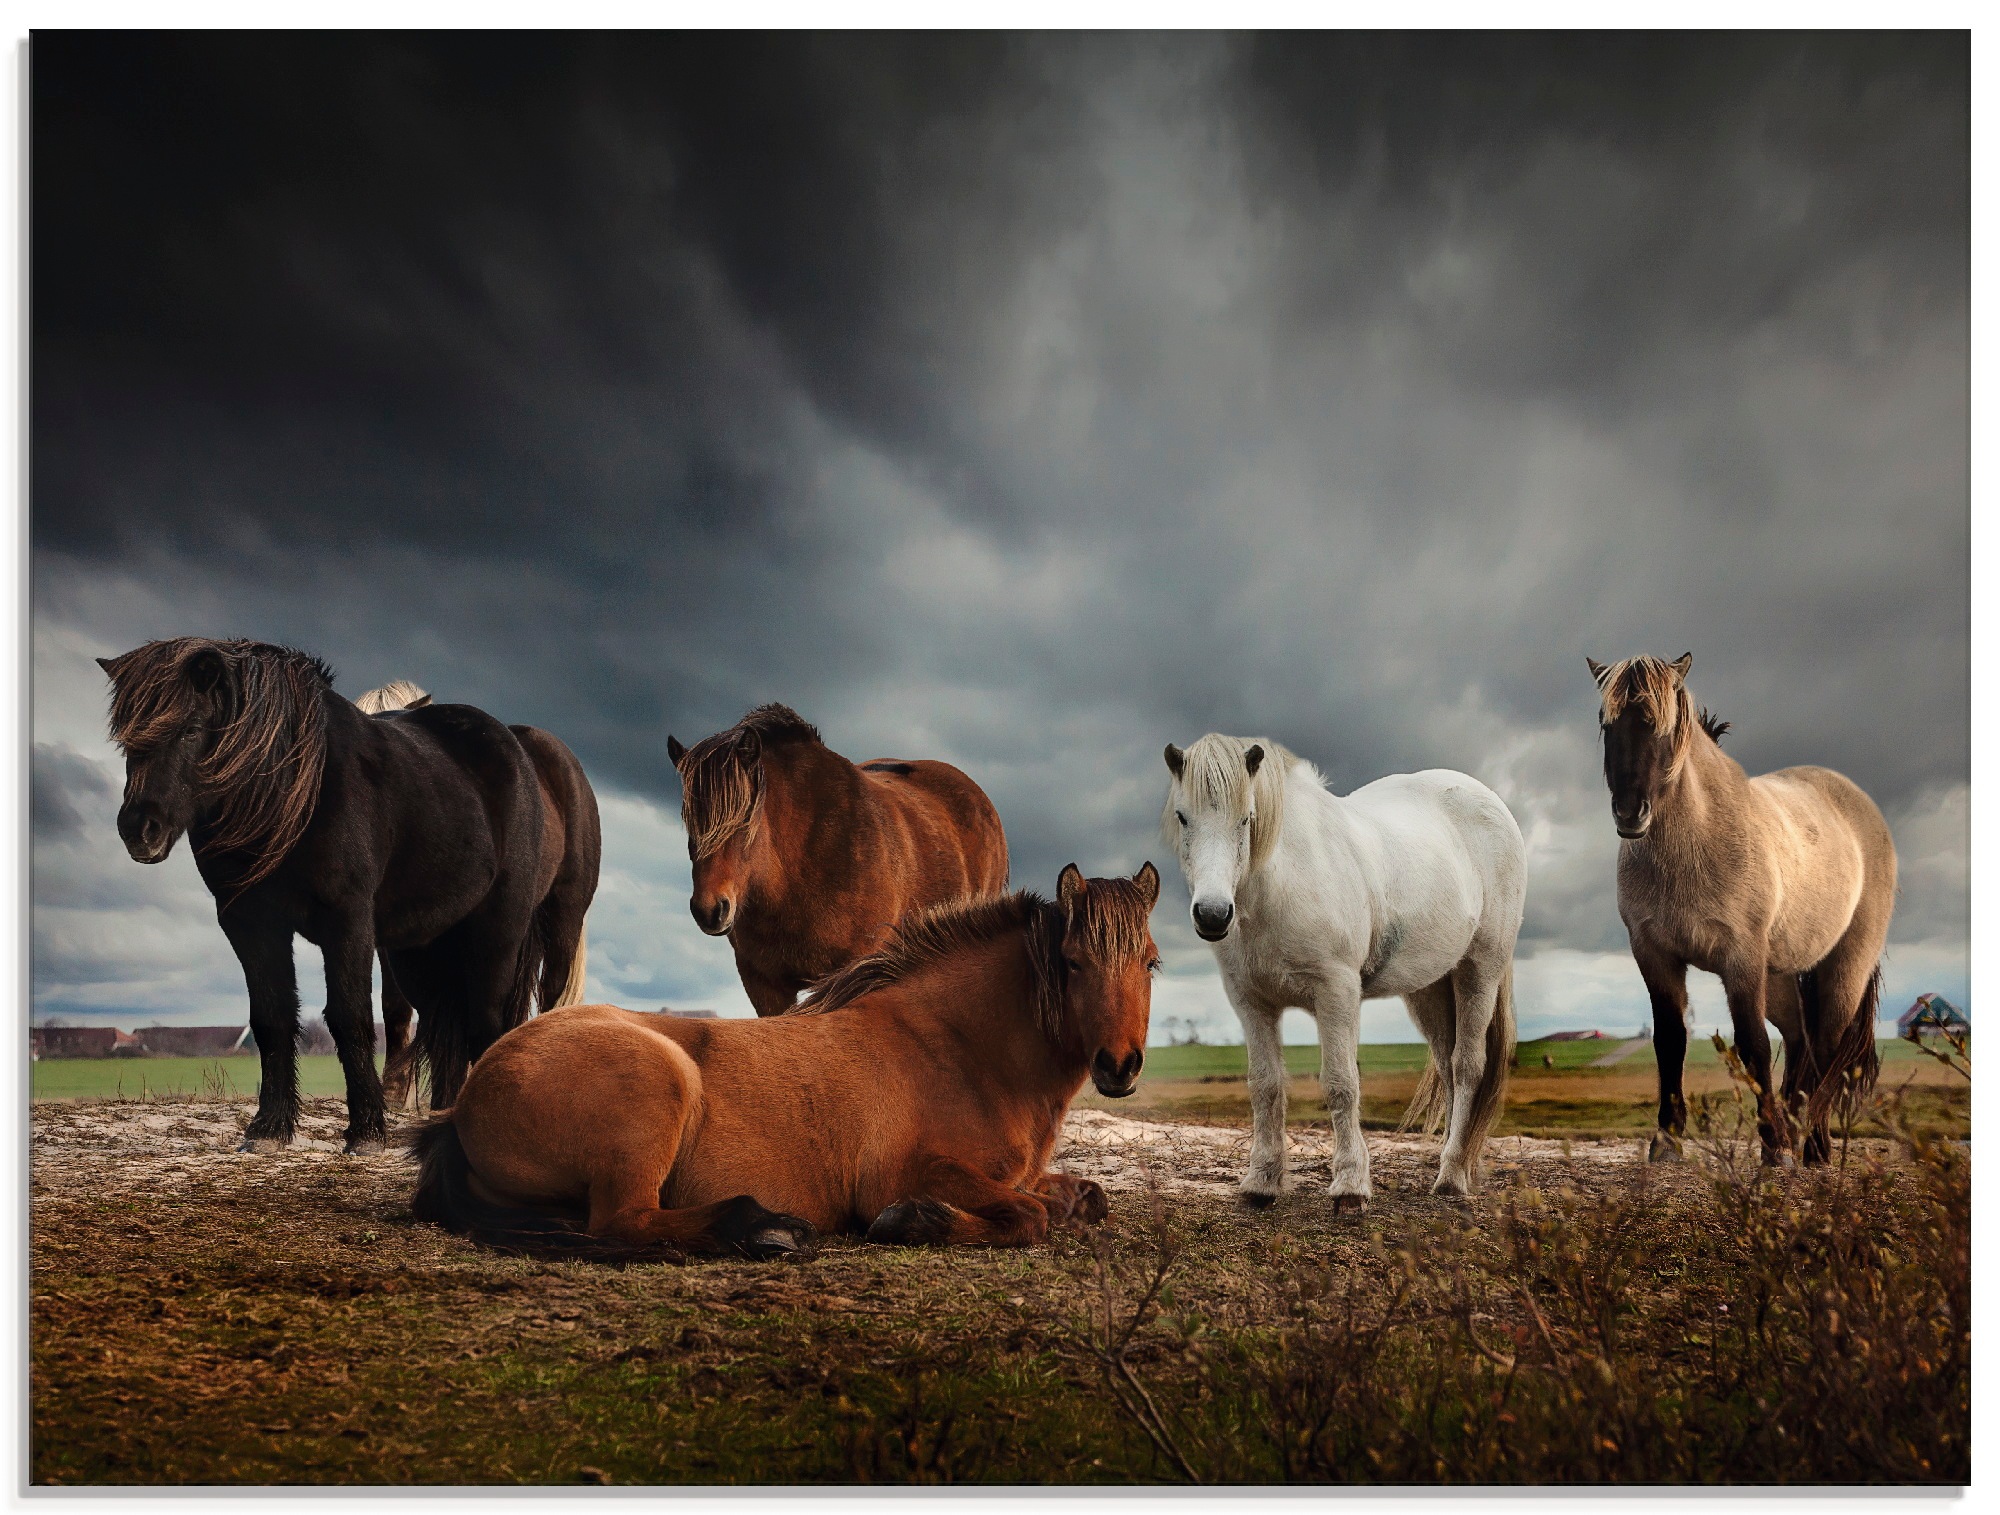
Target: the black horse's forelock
(262, 773)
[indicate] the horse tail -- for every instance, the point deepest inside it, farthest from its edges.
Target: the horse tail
(1855, 1054)
(1430, 1106)
(1491, 1095)
(444, 1196)
(572, 989)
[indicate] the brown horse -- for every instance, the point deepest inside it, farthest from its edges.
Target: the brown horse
(1780, 885)
(915, 1096)
(570, 841)
(806, 862)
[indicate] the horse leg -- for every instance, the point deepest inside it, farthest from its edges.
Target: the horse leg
(1337, 1008)
(954, 1205)
(625, 1207)
(350, 1018)
(1840, 991)
(265, 951)
(1784, 1009)
(1266, 1176)
(1070, 1198)
(1744, 985)
(1474, 989)
(1666, 986)
(399, 1084)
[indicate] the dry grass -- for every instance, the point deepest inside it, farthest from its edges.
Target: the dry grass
(203, 1317)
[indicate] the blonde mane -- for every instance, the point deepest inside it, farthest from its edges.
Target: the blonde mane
(397, 694)
(1214, 773)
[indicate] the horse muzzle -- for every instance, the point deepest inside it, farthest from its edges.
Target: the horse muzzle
(148, 841)
(1635, 829)
(1113, 1078)
(1212, 922)
(716, 920)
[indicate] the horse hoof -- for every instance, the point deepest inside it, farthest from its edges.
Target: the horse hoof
(1091, 1206)
(366, 1146)
(1451, 1188)
(1349, 1204)
(1779, 1158)
(912, 1223)
(1257, 1199)
(781, 1236)
(262, 1144)
(1663, 1149)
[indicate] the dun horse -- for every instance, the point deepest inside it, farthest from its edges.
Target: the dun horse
(915, 1097)
(1780, 885)
(399, 1059)
(806, 861)
(1413, 885)
(465, 850)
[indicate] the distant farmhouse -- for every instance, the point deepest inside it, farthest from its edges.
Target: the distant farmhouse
(1573, 1036)
(1931, 1012)
(168, 1041)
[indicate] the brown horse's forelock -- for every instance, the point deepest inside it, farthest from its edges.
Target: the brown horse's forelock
(1669, 708)
(718, 794)
(1109, 921)
(262, 775)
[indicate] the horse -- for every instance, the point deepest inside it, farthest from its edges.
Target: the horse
(399, 1059)
(1780, 885)
(1413, 885)
(915, 1097)
(805, 861)
(465, 849)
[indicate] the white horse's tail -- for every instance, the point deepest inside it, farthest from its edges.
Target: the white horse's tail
(1430, 1106)
(572, 989)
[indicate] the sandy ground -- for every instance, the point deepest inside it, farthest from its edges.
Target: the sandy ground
(95, 1146)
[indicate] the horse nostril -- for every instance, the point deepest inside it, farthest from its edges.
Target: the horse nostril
(1213, 919)
(1129, 1069)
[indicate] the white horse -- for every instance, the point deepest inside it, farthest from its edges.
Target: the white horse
(1413, 885)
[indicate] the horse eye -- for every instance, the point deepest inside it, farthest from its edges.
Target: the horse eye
(1181, 816)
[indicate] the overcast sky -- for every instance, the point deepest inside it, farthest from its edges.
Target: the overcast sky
(1025, 403)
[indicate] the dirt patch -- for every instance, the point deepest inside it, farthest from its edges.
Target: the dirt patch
(200, 1315)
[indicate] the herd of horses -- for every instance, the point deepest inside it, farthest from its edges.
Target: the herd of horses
(921, 1031)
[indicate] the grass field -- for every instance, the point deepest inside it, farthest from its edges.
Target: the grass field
(1196, 1083)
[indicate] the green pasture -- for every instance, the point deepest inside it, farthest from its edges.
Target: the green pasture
(172, 1077)
(237, 1077)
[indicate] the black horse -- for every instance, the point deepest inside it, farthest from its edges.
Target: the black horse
(466, 850)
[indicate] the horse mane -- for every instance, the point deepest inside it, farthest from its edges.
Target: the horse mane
(1214, 773)
(1108, 919)
(1714, 725)
(263, 774)
(397, 694)
(718, 796)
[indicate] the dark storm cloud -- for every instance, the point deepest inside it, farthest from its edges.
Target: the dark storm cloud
(60, 781)
(1031, 402)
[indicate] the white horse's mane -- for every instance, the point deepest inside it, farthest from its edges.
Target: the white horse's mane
(397, 694)
(1215, 775)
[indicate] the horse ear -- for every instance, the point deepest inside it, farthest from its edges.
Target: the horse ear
(205, 670)
(1176, 759)
(105, 664)
(1070, 887)
(1598, 671)
(749, 745)
(675, 751)
(1253, 758)
(418, 703)
(1681, 665)
(1148, 880)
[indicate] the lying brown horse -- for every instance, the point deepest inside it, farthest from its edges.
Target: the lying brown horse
(916, 1096)
(1780, 885)
(806, 861)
